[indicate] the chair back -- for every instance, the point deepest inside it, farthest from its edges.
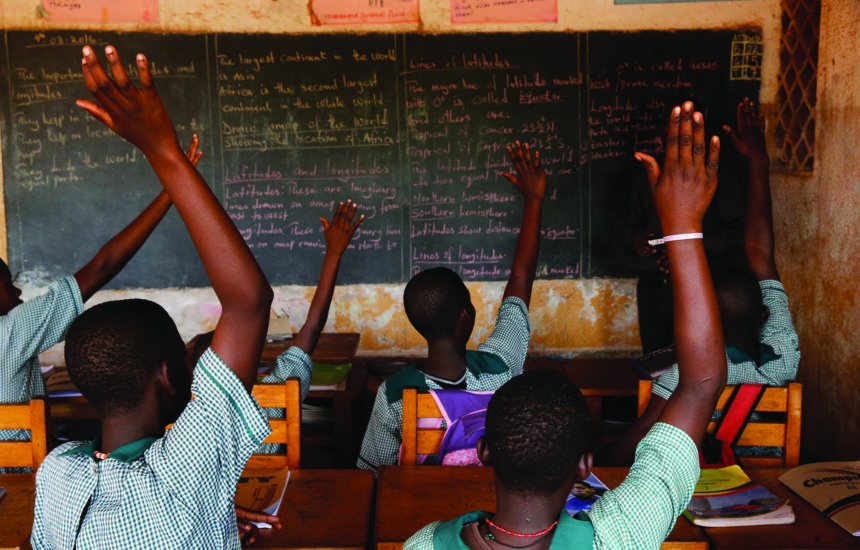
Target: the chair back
(419, 441)
(284, 431)
(25, 416)
(781, 402)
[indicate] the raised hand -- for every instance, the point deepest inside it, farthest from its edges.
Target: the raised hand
(749, 137)
(339, 232)
(192, 153)
(138, 115)
(530, 179)
(686, 183)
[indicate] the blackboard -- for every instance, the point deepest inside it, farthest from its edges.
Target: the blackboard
(411, 126)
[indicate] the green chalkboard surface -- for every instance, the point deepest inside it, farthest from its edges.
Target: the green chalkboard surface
(411, 126)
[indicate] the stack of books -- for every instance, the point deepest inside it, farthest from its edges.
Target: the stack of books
(726, 497)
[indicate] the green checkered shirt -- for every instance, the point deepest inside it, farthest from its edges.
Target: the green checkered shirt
(293, 363)
(780, 350)
(641, 512)
(27, 331)
(173, 492)
(509, 341)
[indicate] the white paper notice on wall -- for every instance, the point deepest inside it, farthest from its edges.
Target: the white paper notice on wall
(504, 11)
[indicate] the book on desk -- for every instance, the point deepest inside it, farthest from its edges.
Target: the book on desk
(727, 497)
(832, 487)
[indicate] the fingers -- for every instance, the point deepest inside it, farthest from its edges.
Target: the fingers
(698, 139)
(98, 82)
(672, 137)
(651, 167)
(685, 135)
(96, 110)
(325, 223)
(357, 223)
(193, 154)
(511, 178)
(143, 70)
(713, 159)
(119, 74)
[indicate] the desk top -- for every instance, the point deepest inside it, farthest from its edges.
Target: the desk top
(322, 509)
(410, 497)
(334, 348)
(16, 509)
(810, 530)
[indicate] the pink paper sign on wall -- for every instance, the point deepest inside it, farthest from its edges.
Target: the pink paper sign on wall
(99, 11)
(504, 11)
(363, 12)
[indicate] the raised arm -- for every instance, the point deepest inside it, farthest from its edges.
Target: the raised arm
(530, 181)
(681, 196)
(758, 223)
(139, 116)
(117, 252)
(338, 234)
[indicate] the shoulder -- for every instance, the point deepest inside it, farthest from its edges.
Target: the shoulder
(61, 458)
(485, 362)
(410, 377)
(423, 539)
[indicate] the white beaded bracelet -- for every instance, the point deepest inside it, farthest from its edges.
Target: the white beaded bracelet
(678, 237)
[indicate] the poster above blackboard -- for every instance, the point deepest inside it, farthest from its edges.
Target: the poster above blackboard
(413, 127)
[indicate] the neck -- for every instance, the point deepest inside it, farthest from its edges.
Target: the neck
(445, 359)
(133, 424)
(527, 513)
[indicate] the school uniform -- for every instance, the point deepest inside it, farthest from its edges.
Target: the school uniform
(293, 363)
(496, 361)
(25, 332)
(779, 349)
(175, 491)
(638, 515)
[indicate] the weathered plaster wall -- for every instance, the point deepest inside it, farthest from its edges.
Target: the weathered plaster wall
(820, 251)
(568, 317)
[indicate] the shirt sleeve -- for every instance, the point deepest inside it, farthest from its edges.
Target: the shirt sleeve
(510, 337)
(33, 327)
(203, 455)
(381, 445)
(423, 539)
(641, 512)
(293, 363)
(778, 332)
(37, 537)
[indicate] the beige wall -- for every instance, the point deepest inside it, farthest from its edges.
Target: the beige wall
(819, 250)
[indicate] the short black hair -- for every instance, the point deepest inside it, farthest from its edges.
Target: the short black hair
(113, 349)
(538, 428)
(433, 299)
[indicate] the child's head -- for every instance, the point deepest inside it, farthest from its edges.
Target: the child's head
(537, 434)
(439, 305)
(116, 350)
(742, 312)
(9, 293)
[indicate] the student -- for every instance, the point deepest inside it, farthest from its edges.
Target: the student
(538, 428)
(138, 487)
(28, 329)
(296, 361)
(438, 305)
(761, 344)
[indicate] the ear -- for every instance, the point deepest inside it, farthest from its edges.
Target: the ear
(483, 451)
(583, 469)
(162, 379)
(765, 315)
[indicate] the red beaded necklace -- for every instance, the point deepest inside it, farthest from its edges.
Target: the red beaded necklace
(522, 535)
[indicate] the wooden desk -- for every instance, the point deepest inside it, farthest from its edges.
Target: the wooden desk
(323, 509)
(333, 348)
(410, 497)
(16, 510)
(812, 530)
